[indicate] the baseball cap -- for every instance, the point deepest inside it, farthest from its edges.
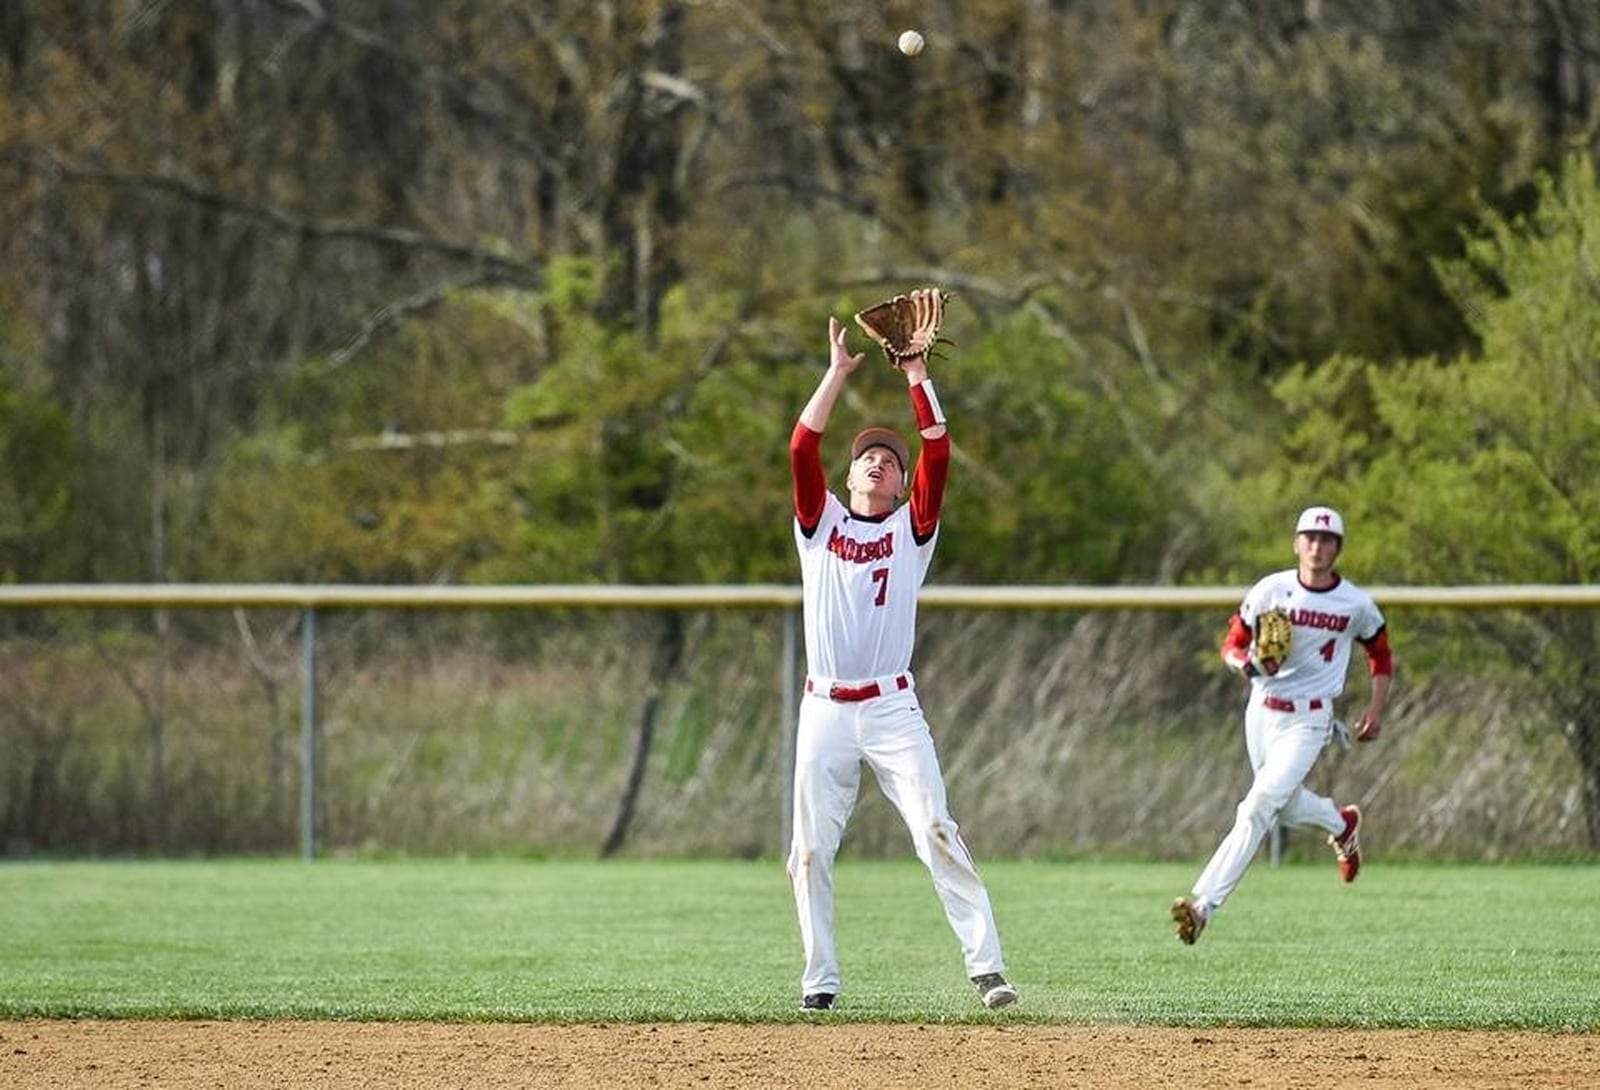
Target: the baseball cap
(881, 437)
(1320, 519)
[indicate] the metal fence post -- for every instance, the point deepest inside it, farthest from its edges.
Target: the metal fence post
(308, 736)
(790, 723)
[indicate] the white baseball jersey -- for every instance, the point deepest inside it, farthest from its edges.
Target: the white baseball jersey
(860, 577)
(1326, 622)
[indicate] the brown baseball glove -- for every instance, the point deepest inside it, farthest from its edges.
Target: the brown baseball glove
(1274, 639)
(907, 325)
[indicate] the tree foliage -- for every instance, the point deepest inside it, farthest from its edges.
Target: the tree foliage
(36, 474)
(1423, 451)
(489, 290)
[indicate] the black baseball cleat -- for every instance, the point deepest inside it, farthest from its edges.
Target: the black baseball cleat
(994, 990)
(817, 1001)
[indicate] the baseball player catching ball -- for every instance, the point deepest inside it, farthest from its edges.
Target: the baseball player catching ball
(1289, 717)
(862, 565)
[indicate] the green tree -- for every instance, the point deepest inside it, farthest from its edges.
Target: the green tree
(210, 210)
(37, 466)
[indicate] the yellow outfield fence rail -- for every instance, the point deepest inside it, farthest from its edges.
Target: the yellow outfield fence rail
(309, 599)
(755, 596)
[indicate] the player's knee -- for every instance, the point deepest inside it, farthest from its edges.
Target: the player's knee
(944, 837)
(1257, 811)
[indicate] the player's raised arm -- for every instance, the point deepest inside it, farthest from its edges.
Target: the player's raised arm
(841, 362)
(805, 445)
(933, 461)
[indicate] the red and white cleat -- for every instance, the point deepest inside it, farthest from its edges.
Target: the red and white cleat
(1347, 845)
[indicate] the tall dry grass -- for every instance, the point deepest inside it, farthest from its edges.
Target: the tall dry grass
(1111, 733)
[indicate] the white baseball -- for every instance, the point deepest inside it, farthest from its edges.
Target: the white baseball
(911, 43)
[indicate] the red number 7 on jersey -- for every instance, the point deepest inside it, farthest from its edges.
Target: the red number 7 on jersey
(880, 576)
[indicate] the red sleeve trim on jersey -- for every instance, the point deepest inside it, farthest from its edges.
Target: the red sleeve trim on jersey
(1236, 644)
(810, 482)
(1380, 660)
(927, 487)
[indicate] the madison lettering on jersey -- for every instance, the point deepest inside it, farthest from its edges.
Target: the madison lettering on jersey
(860, 552)
(1313, 618)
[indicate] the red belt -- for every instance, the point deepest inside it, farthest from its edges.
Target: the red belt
(847, 694)
(1279, 704)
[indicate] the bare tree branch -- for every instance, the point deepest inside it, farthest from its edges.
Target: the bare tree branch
(513, 130)
(497, 265)
(397, 311)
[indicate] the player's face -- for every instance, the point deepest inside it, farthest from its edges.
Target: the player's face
(876, 472)
(1317, 550)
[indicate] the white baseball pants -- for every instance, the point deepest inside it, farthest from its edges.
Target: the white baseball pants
(1282, 745)
(889, 734)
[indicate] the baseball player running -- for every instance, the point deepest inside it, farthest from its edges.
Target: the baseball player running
(861, 568)
(1289, 717)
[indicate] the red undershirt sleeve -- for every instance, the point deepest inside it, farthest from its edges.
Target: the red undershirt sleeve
(1380, 660)
(810, 483)
(927, 487)
(1236, 644)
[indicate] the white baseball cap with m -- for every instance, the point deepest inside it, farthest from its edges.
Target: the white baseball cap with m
(1320, 520)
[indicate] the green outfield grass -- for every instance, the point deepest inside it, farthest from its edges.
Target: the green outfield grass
(1407, 945)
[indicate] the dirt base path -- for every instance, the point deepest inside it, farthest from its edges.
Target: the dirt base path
(53, 1055)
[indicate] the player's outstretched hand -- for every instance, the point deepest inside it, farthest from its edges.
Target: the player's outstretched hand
(840, 357)
(1368, 726)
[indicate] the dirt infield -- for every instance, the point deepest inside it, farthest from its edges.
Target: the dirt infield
(52, 1055)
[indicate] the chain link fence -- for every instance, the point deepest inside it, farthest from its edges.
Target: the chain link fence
(573, 730)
